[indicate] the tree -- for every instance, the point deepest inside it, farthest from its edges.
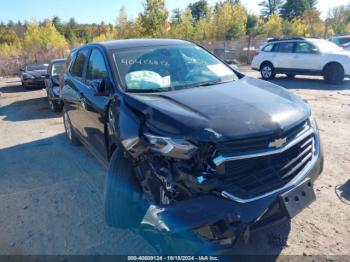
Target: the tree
(298, 27)
(312, 4)
(270, 6)
(294, 8)
(56, 21)
(338, 19)
(40, 38)
(230, 20)
(153, 19)
(274, 26)
(204, 28)
(313, 23)
(176, 16)
(198, 9)
(9, 43)
(183, 29)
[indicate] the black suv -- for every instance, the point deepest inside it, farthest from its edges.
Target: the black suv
(191, 145)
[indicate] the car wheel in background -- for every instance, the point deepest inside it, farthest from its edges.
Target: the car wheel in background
(125, 206)
(71, 135)
(290, 75)
(267, 71)
(25, 86)
(54, 106)
(333, 73)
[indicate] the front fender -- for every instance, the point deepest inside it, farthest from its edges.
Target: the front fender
(124, 128)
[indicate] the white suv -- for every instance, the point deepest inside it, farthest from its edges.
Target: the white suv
(299, 56)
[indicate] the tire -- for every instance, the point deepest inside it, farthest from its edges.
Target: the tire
(333, 73)
(71, 135)
(54, 106)
(124, 204)
(25, 86)
(290, 75)
(267, 71)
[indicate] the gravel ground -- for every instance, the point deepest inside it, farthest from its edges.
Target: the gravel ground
(51, 194)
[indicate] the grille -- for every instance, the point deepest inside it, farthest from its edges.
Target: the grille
(252, 177)
(260, 143)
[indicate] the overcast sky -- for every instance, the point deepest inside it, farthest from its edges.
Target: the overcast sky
(88, 11)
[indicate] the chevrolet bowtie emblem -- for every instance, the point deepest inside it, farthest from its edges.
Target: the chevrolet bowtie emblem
(278, 143)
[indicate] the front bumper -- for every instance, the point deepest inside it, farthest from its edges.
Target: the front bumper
(207, 213)
(38, 82)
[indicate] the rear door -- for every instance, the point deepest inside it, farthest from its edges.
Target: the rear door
(94, 105)
(73, 88)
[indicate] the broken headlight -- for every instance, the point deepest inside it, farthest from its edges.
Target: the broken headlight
(171, 147)
(313, 124)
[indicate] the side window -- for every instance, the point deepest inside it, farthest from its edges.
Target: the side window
(268, 48)
(78, 65)
(303, 47)
(286, 47)
(97, 69)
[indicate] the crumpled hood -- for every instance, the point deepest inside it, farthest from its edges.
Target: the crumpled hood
(245, 108)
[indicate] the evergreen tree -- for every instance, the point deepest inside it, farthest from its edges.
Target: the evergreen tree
(270, 6)
(153, 19)
(198, 9)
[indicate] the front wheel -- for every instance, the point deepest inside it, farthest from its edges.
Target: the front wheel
(267, 71)
(71, 135)
(125, 206)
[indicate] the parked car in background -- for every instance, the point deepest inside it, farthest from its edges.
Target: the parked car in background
(346, 46)
(191, 144)
(341, 41)
(33, 76)
(52, 82)
(299, 56)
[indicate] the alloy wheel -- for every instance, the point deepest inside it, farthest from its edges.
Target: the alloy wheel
(266, 71)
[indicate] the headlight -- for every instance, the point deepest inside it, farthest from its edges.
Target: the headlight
(56, 90)
(28, 76)
(313, 124)
(176, 148)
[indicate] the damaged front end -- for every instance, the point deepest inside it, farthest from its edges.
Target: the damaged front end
(220, 190)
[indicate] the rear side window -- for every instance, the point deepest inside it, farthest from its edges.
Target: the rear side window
(268, 48)
(97, 69)
(78, 65)
(286, 47)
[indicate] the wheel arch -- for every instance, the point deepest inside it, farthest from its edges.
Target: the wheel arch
(265, 62)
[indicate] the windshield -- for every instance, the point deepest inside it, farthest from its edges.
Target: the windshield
(169, 68)
(57, 69)
(327, 47)
(37, 67)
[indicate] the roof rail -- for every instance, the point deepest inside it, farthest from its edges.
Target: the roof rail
(285, 39)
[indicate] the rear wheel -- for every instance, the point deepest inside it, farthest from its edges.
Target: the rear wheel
(71, 135)
(124, 204)
(334, 74)
(267, 71)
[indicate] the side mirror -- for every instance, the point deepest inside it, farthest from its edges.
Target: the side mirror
(315, 51)
(99, 87)
(21, 70)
